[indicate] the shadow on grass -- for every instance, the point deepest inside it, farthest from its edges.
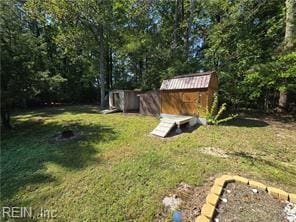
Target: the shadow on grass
(279, 117)
(246, 122)
(185, 128)
(255, 160)
(28, 149)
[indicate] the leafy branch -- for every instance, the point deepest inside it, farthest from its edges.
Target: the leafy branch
(213, 116)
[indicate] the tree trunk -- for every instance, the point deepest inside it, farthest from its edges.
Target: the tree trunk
(101, 69)
(176, 24)
(283, 101)
(289, 43)
(110, 67)
(188, 33)
(182, 10)
(140, 70)
(5, 118)
(107, 68)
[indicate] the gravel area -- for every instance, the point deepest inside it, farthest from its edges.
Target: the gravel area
(241, 203)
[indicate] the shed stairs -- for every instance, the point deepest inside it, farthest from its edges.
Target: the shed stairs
(168, 122)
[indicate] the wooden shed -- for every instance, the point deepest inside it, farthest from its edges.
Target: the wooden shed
(188, 94)
(124, 100)
(150, 103)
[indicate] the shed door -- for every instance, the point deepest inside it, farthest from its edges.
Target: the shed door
(187, 105)
(116, 100)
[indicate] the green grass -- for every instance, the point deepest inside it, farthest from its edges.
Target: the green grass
(116, 171)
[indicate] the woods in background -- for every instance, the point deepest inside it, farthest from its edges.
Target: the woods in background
(75, 51)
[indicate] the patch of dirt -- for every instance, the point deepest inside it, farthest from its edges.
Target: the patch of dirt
(283, 121)
(288, 123)
(238, 203)
(213, 151)
(192, 199)
(242, 203)
(66, 135)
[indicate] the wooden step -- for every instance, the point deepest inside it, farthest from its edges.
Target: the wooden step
(170, 121)
(166, 124)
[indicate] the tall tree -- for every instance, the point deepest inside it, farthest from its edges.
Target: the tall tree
(289, 44)
(73, 51)
(102, 65)
(25, 66)
(189, 28)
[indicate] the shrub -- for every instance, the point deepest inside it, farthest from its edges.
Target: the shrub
(214, 114)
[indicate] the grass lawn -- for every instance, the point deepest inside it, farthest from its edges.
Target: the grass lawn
(116, 171)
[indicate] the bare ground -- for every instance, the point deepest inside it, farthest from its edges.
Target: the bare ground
(245, 205)
(193, 198)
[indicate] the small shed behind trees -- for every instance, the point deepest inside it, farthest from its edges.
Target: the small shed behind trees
(124, 100)
(191, 94)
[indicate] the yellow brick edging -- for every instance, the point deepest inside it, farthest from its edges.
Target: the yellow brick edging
(212, 199)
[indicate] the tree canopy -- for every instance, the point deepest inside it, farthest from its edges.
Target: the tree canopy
(75, 51)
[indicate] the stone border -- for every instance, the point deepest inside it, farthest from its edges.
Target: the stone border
(208, 209)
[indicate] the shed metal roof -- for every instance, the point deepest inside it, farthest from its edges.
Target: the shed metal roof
(191, 81)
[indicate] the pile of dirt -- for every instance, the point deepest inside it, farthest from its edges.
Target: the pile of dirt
(66, 135)
(242, 203)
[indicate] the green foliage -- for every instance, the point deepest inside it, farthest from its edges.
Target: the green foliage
(240, 35)
(213, 116)
(24, 59)
(276, 75)
(144, 42)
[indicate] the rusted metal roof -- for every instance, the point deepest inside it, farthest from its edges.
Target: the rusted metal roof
(191, 81)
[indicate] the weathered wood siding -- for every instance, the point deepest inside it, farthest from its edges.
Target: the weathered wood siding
(116, 99)
(131, 101)
(189, 101)
(213, 88)
(150, 103)
(124, 100)
(184, 102)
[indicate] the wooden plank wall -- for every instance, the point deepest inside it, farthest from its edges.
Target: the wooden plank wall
(213, 88)
(184, 102)
(150, 103)
(113, 102)
(131, 100)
